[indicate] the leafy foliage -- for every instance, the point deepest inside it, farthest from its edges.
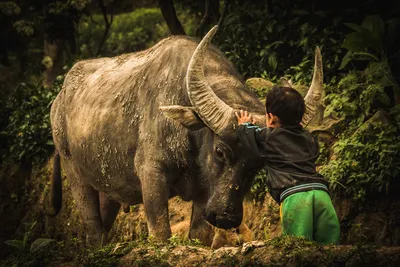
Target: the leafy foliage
(371, 42)
(176, 240)
(259, 187)
(130, 32)
(366, 162)
(365, 159)
(25, 25)
(37, 245)
(266, 38)
(361, 162)
(353, 96)
(108, 255)
(273, 41)
(28, 130)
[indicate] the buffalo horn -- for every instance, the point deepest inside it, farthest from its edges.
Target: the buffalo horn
(214, 112)
(314, 94)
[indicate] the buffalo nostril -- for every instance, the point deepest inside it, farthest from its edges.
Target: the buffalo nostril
(211, 218)
(227, 223)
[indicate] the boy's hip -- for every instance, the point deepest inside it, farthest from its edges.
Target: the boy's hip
(303, 188)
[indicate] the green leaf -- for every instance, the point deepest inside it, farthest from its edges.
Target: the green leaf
(383, 97)
(50, 143)
(276, 44)
(21, 154)
(272, 62)
(40, 244)
(346, 59)
(375, 25)
(357, 42)
(270, 27)
(364, 56)
(16, 244)
(359, 29)
(363, 36)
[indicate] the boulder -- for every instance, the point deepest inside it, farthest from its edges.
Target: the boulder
(259, 86)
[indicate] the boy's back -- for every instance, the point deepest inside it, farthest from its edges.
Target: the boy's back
(290, 153)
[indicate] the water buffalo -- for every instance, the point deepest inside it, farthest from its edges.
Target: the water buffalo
(147, 126)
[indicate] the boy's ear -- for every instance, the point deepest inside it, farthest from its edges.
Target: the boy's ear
(186, 116)
(272, 118)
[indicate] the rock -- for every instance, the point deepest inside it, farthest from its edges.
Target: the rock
(325, 126)
(247, 247)
(259, 86)
(257, 83)
(262, 86)
(227, 251)
(302, 89)
(380, 116)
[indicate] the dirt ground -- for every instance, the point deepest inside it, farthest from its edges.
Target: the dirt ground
(375, 225)
(265, 254)
(22, 203)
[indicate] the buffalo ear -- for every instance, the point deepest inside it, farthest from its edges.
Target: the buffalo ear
(286, 83)
(184, 115)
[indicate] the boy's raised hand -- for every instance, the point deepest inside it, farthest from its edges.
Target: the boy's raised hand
(244, 116)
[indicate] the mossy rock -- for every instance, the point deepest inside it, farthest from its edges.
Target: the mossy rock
(262, 86)
(259, 86)
(302, 89)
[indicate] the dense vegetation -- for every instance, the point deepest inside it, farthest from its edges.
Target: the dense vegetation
(269, 39)
(361, 56)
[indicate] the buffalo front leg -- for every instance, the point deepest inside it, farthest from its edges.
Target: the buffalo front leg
(199, 228)
(155, 200)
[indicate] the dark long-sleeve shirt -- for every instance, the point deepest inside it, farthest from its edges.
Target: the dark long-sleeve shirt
(289, 153)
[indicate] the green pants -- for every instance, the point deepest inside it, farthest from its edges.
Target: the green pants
(310, 214)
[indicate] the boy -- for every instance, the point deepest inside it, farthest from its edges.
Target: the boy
(290, 153)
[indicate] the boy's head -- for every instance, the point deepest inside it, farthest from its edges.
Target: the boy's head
(286, 104)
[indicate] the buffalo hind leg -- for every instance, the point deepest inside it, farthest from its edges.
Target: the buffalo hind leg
(155, 200)
(199, 228)
(87, 201)
(109, 210)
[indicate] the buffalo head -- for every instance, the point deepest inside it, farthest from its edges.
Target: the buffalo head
(224, 162)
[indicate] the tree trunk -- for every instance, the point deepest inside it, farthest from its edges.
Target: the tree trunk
(53, 60)
(211, 15)
(223, 15)
(169, 14)
(107, 24)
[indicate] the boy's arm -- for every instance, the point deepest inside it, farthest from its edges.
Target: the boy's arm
(316, 143)
(252, 137)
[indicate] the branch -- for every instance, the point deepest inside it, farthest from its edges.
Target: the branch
(223, 15)
(211, 11)
(169, 14)
(107, 25)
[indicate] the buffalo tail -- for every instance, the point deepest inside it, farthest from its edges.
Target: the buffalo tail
(54, 198)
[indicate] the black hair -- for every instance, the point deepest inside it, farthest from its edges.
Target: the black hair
(287, 104)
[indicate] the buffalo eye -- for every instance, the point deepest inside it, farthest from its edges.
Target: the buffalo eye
(219, 153)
